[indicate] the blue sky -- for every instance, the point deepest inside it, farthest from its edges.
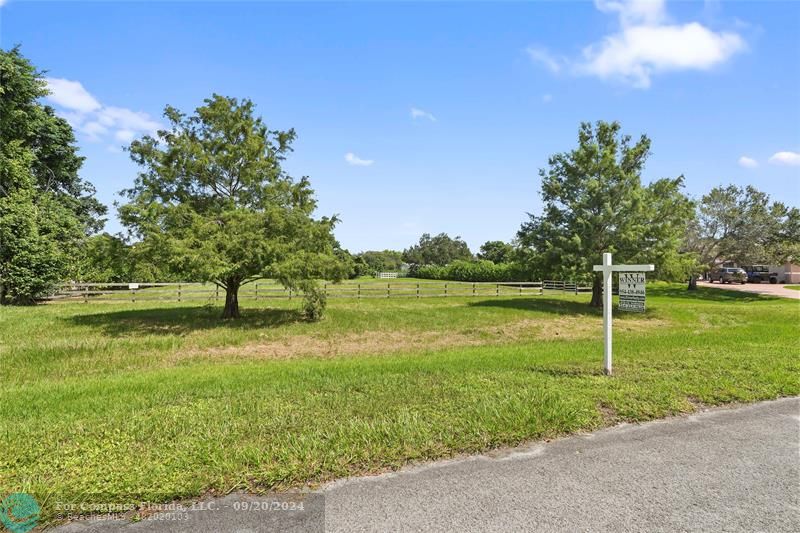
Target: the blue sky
(431, 117)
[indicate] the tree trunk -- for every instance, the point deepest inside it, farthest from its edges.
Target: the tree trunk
(597, 291)
(231, 300)
(692, 283)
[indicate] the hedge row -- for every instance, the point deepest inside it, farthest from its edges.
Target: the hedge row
(471, 271)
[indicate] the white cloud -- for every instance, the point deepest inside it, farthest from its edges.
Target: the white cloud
(547, 98)
(89, 117)
(646, 44)
(747, 162)
(127, 120)
(638, 52)
(543, 57)
(353, 159)
(71, 95)
(419, 113)
(125, 136)
(634, 11)
(94, 130)
(785, 158)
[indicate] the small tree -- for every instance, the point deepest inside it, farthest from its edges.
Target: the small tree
(594, 202)
(214, 200)
(439, 250)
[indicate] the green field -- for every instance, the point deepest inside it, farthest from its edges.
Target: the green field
(793, 287)
(154, 402)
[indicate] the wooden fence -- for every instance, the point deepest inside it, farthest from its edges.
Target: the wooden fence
(264, 290)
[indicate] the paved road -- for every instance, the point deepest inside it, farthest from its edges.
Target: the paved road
(720, 470)
(756, 288)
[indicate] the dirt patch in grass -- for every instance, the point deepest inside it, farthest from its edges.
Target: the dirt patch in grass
(609, 414)
(385, 342)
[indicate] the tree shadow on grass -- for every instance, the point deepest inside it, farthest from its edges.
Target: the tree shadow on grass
(556, 372)
(708, 294)
(542, 304)
(563, 307)
(182, 320)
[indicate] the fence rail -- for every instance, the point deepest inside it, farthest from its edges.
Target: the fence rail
(262, 290)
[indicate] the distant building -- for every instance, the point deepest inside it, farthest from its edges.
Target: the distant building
(791, 273)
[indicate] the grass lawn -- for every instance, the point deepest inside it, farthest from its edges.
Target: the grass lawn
(793, 287)
(154, 402)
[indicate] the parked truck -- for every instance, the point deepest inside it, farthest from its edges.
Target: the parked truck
(760, 274)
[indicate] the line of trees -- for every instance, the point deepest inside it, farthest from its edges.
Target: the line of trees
(212, 202)
(594, 202)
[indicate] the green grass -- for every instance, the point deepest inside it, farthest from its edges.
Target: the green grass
(793, 287)
(147, 402)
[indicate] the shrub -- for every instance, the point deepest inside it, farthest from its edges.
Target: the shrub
(314, 302)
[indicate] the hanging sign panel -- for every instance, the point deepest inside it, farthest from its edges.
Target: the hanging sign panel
(631, 291)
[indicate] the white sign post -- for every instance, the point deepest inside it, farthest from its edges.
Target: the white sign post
(607, 268)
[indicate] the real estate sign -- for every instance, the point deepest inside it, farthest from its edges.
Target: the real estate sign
(631, 291)
(631, 296)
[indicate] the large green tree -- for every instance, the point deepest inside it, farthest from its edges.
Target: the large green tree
(213, 200)
(594, 202)
(437, 250)
(46, 209)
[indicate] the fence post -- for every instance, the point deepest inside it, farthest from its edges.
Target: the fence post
(179, 293)
(86, 294)
(417, 290)
(473, 288)
(256, 291)
(388, 289)
(359, 291)
(445, 290)
(497, 290)
(216, 293)
(520, 289)
(133, 295)
(290, 293)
